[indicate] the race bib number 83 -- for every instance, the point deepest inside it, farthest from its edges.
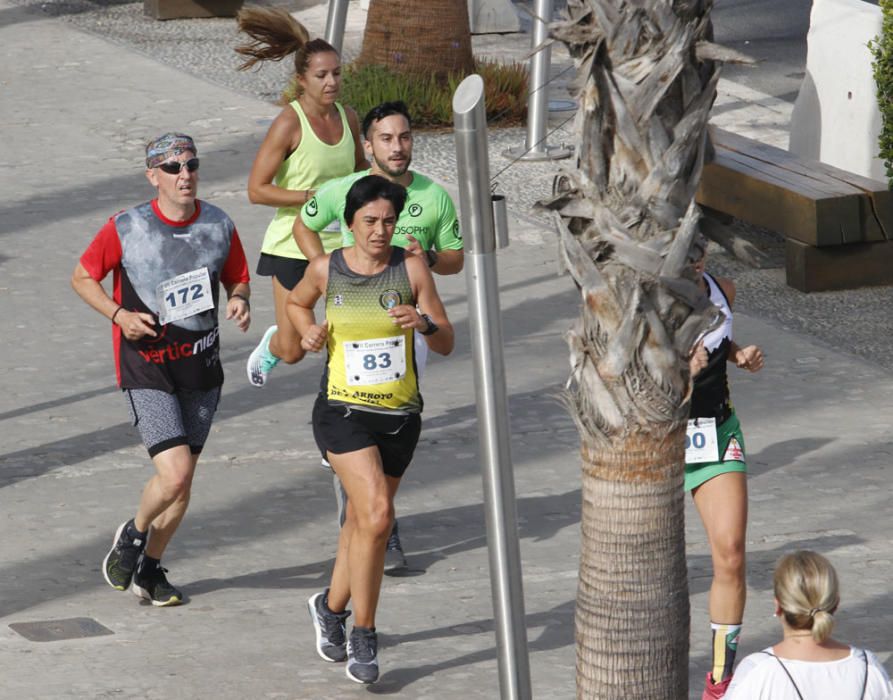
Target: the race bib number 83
(375, 361)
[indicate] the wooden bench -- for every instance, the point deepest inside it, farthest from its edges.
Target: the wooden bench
(837, 225)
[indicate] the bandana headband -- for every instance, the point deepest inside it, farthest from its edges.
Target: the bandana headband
(167, 145)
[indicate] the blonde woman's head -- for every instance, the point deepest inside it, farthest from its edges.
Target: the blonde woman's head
(807, 592)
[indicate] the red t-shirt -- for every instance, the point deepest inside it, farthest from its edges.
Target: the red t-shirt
(144, 249)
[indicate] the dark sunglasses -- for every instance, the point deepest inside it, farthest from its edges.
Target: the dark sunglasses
(173, 167)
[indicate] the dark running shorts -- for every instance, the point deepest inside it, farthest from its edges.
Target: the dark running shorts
(288, 271)
(168, 420)
(341, 429)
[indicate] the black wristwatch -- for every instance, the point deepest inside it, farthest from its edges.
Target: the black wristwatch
(431, 256)
(432, 327)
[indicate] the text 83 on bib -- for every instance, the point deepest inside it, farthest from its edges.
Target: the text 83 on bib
(375, 361)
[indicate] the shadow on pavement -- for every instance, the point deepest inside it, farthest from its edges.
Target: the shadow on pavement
(558, 631)
(761, 562)
(784, 452)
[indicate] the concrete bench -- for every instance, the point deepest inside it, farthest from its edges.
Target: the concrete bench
(836, 224)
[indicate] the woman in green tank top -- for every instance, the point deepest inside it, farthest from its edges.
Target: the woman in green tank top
(312, 140)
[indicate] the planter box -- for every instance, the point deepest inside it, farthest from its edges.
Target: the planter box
(183, 9)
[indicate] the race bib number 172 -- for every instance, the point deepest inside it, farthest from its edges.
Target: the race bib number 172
(184, 296)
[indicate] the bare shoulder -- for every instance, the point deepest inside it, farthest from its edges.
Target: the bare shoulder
(418, 271)
(416, 265)
(353, 121)
(352, 117)
(285, 129)
(319, 266)
(728, 288)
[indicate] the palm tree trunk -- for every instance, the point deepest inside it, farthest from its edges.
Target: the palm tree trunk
(627, 220)
(632, 598)
(418, 36)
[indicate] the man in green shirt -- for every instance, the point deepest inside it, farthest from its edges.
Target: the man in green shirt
(427, 226)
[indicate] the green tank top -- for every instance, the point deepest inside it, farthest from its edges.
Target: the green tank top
(371, 360)
(313, 163)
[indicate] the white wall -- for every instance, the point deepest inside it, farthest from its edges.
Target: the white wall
(493, 17)
(836, 118)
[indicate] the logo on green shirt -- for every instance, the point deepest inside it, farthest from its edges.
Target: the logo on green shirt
(415, 209)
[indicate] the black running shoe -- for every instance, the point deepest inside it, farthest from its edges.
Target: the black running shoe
(362, 655)
(120, 563)
(394, 559)
(152, 585)
(329, 626)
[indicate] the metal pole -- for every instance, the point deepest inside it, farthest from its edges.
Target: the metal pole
(535, 146)
(476, 211)
(335, 21)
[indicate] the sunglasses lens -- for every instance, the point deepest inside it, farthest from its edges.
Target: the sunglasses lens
(174, 167)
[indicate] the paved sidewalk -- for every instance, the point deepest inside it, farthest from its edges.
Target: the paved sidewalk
(260, 534)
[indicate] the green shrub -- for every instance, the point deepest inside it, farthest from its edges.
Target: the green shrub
(430, 101)
(882, 49)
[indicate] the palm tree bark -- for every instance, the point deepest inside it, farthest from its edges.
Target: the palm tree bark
(627, 220)
(418, 36)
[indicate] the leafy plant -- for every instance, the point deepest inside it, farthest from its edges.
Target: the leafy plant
(882, 49)
(428, 98)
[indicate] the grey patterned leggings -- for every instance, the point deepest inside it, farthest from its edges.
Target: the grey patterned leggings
(168, 420)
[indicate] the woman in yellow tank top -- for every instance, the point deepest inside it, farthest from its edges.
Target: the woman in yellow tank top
(366, 420)
(312, 140)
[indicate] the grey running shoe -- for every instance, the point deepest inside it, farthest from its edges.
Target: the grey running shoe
(362, 655)
(394, 559)
(330, 628)
(120, 563)
(152, 585)
(261, 361)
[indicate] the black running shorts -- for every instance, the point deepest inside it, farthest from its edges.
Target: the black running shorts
(340, 429)
(288, 271)
(168, 420)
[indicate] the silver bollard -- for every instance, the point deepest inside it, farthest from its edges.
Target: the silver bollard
(335, 21)
(535, 146)
(485, 323)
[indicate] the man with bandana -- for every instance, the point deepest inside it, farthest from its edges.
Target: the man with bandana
(169, 257)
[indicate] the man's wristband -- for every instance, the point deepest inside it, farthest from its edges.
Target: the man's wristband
(242, 297)
(431, 255)
(116, 313)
